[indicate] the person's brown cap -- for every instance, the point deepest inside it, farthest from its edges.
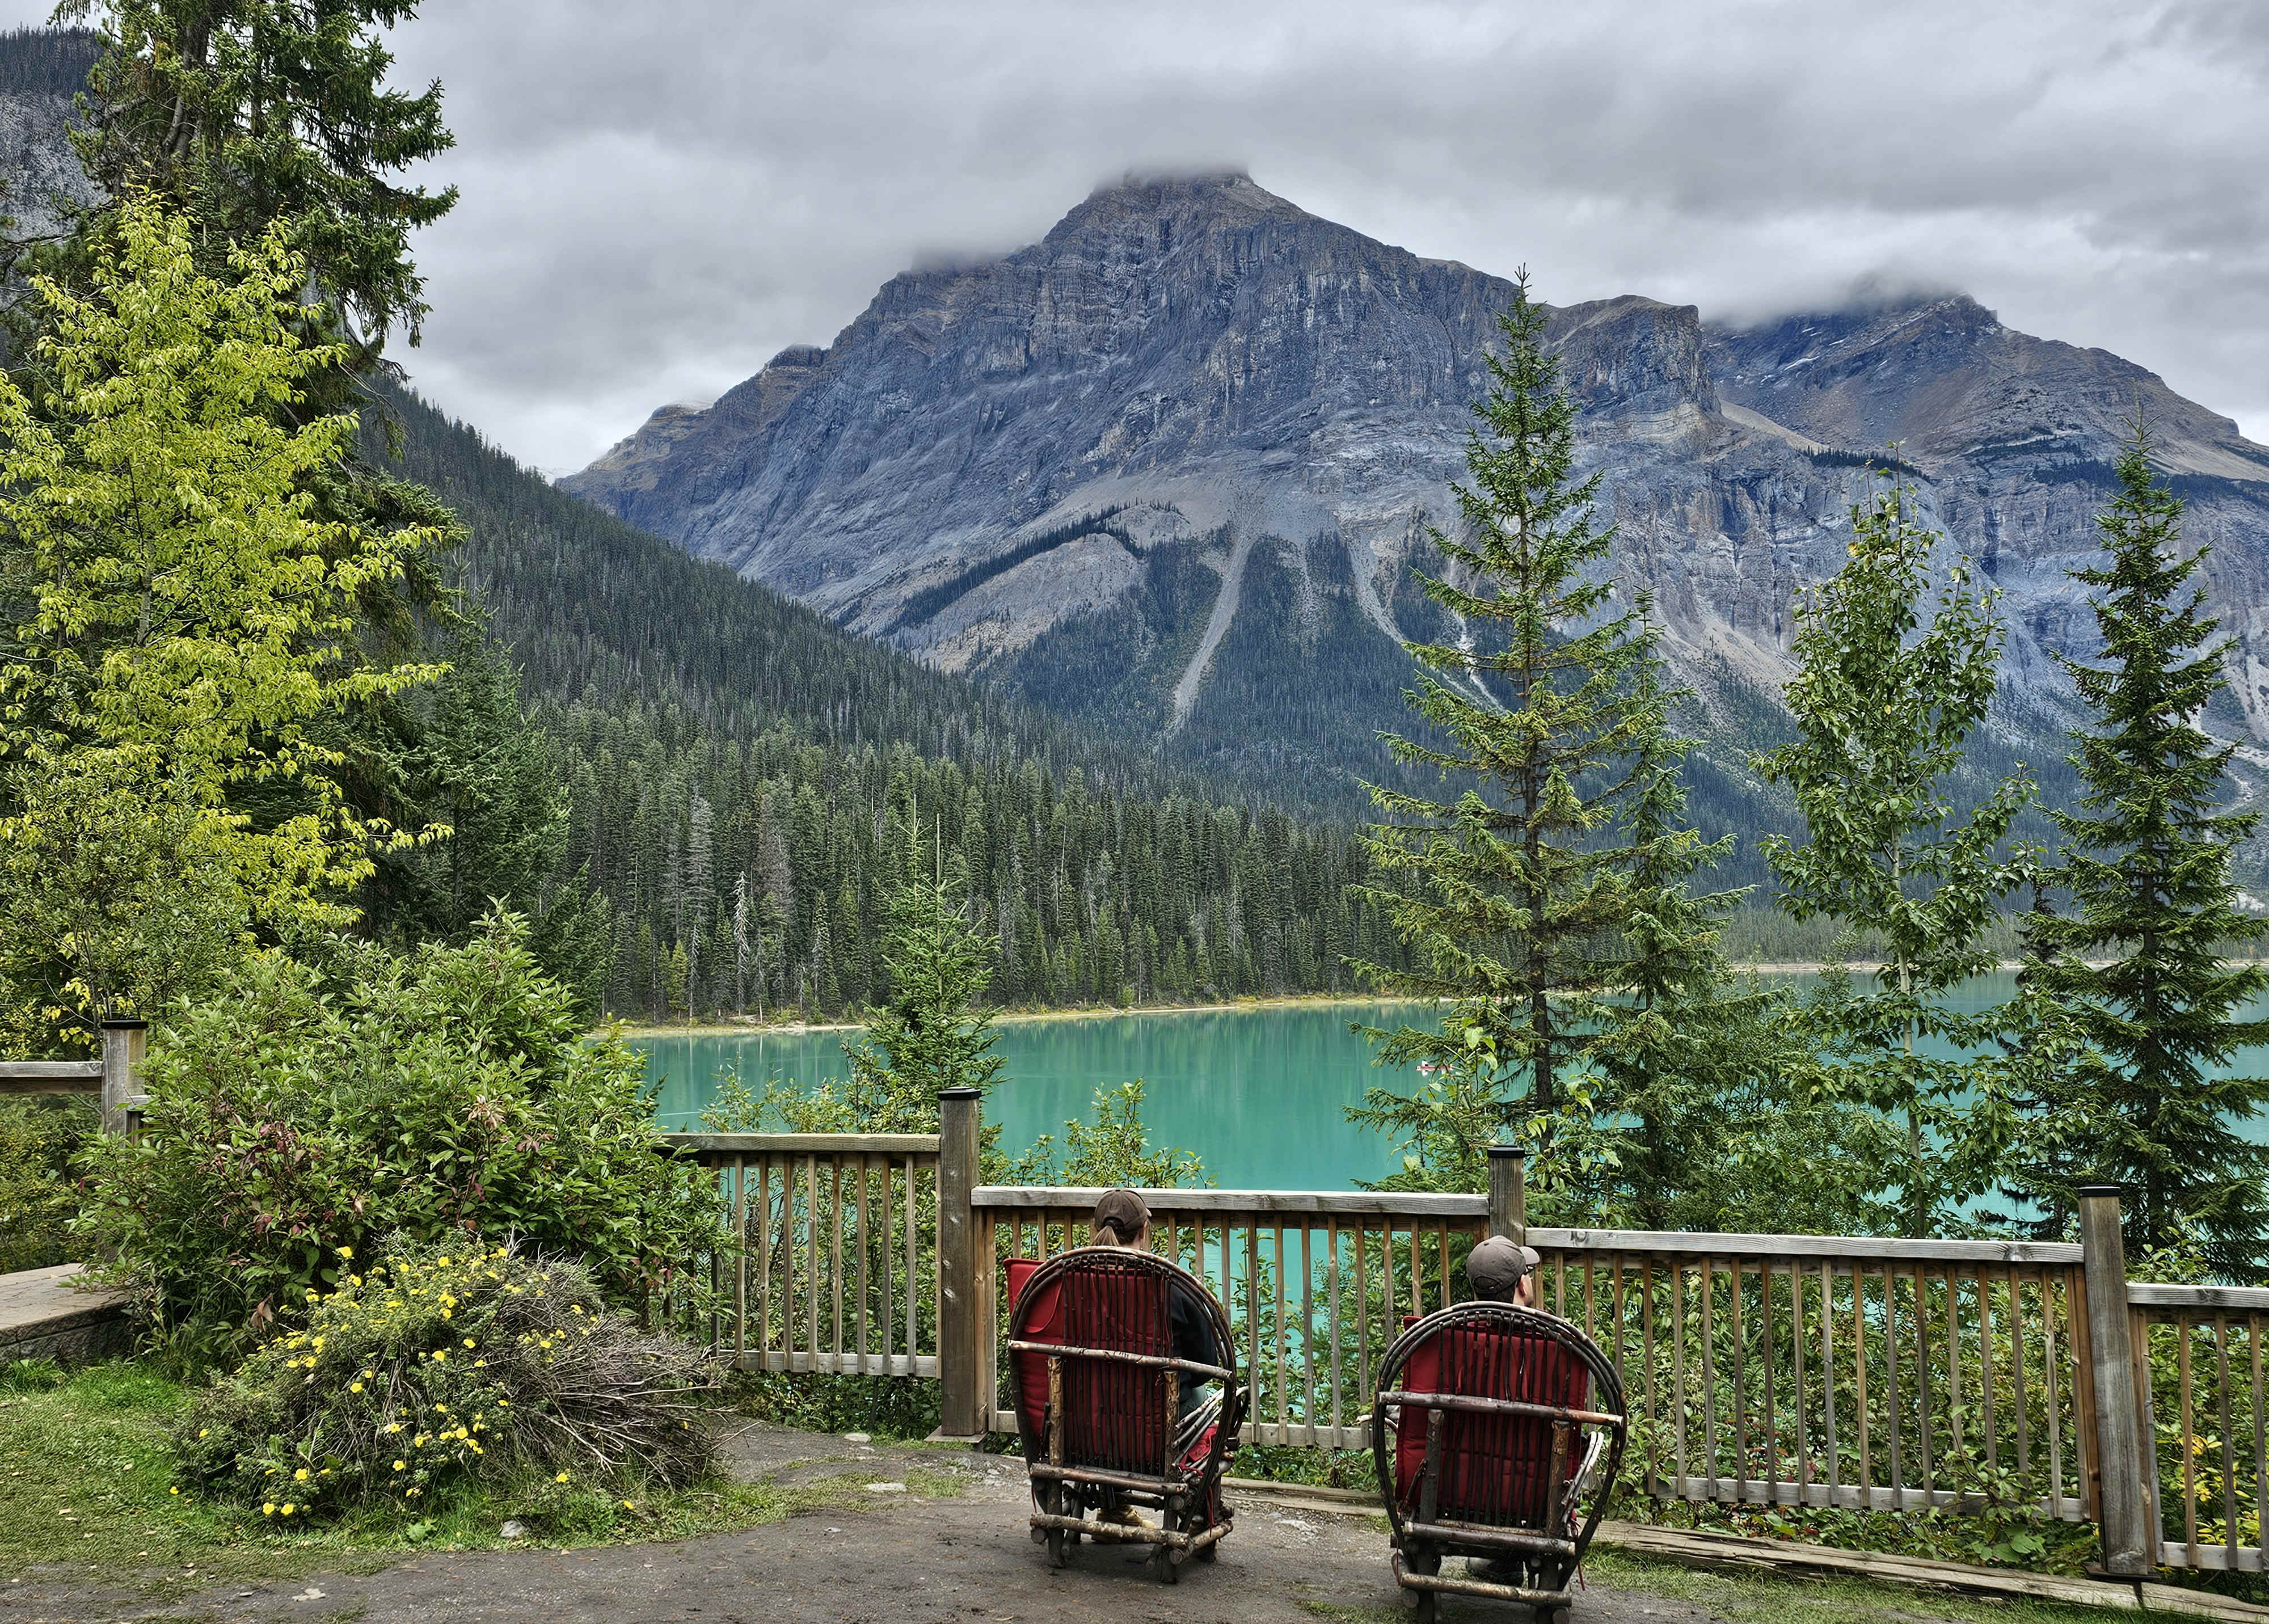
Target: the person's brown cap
(1496, 1267)
(1123, 1212)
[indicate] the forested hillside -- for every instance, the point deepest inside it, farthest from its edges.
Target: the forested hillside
(739, 776)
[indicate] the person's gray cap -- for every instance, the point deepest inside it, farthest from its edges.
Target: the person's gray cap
(1495, 1268)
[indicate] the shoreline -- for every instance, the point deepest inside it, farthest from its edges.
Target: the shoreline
(750, 1028)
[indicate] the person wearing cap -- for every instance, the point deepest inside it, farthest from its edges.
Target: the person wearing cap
(1503, 1271)
(1122, 1218)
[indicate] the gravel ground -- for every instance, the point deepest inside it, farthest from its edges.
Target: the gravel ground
(861, 1557)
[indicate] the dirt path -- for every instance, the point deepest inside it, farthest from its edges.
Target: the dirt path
(882, 1557)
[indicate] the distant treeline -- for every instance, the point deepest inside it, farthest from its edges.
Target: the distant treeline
(48, 61)
(741, 777)
(746, 876)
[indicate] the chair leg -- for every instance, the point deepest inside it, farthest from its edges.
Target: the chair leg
(1424, 1611)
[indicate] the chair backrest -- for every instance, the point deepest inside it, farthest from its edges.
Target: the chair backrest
(1496, 1469)
(1118, 1417)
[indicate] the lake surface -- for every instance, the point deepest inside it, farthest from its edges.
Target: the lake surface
(1259, 1094)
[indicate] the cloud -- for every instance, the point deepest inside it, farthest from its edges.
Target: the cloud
(657, 199)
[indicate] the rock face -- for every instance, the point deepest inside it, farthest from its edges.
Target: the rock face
(1173, 464)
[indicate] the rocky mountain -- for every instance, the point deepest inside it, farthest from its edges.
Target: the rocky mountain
(1172, 465)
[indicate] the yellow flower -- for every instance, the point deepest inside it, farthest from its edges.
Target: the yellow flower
(627, 1506)
(469, 1341)
(398, 1466)
(203, 1430)
(346, 1252)
(268, 1510)
(174, 1490)
(300, 1476)
(562, 1478)
(355, 1387)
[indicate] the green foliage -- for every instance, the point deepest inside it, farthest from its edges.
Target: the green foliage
(39, 1136)
(250, 114)
(1111, 1149)
(460, 756)
(2147, 860)
(176, 623)
(933, 1032)
(1885, 700)
(437, 1367)
(450, 1094)
(1519, 893)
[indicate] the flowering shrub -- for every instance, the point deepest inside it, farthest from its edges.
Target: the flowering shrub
(451, 1095)
(441, 1367)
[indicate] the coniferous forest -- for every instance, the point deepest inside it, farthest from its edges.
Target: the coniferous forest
(731, 781)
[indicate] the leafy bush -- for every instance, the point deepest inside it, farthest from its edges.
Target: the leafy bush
(449, 1096)
(37, 1138)
(442, 1368)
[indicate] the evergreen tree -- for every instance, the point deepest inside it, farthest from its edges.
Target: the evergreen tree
(1515, 886)
(1884, 703)
(2146, 862)
(242, 115)
(1675, 1029)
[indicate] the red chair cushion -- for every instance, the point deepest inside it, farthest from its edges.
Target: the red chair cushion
(1496, 1469)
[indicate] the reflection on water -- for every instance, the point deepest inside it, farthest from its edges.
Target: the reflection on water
(1259, 1094)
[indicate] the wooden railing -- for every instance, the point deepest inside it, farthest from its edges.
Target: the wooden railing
(115, 1077)
(2197, 1357)
(1880, 1374)
(1830, 1370)
(830, 1258)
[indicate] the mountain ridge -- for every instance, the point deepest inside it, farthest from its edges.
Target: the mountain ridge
(1189, 388)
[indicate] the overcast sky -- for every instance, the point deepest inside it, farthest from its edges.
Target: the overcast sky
(659, 196)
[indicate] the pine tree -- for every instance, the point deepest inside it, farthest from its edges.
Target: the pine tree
(1514, 886)
(245, 114)
(1675, 1026)
(1885, 702)
(935, 1030)
(2147, 861)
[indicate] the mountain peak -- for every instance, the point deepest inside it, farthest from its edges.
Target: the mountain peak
(1203, 198)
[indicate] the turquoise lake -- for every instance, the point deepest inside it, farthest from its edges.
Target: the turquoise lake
(1260, 1094)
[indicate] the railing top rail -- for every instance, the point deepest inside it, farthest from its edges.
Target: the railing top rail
(1837, 1247)
(917, 1145)
(50, 1077)
(2239, 1299)
(1362, 1203)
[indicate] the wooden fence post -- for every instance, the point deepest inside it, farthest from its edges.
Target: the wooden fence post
(2130, 1544)
(1508, 1192)
(964, 1408)
(123, 1045)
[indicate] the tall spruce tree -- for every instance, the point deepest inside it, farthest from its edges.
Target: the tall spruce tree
(1511, 896)
(248, 113)
(1675, 1026)
(1885, 701)
(2146, 862)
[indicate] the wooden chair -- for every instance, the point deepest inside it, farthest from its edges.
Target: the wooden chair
(1098, 1404)
(1499, 1430)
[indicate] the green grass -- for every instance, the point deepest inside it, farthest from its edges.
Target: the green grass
(88, 1489)
(1753, 1598)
